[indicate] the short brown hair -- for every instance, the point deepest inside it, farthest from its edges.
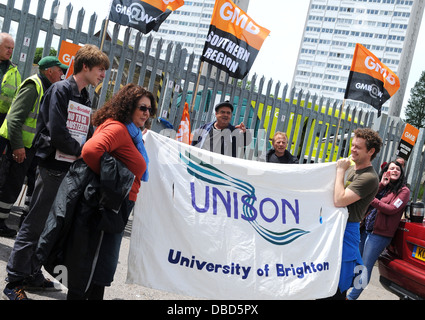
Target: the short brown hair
(372, 139)
(91, 56)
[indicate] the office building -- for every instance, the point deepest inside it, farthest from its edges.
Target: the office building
(388, 28)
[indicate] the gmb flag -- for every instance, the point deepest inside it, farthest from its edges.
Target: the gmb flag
(370, 80)
(145, 16)
(233, 40)
(228, 228)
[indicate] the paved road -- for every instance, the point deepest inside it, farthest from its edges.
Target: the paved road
(122, 291)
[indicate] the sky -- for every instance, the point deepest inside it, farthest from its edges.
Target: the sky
(277, 58)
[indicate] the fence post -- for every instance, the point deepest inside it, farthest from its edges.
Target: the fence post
(416, 172)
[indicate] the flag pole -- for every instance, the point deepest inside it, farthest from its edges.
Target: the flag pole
(197, 85)
(105, 30)
(339, 123)
(104, 34)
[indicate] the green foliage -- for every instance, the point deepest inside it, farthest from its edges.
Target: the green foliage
(39, 53)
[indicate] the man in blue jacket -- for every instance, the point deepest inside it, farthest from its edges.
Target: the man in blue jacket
(220, 136)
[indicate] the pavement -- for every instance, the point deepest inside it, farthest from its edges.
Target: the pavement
(120, 290)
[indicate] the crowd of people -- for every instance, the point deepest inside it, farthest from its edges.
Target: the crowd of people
(73, 217)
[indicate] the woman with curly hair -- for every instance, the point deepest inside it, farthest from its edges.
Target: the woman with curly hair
(381, 220)
(118, 132)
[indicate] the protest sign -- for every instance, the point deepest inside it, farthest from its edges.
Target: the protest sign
(78, 123)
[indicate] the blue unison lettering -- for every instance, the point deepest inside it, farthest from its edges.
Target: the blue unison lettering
(268, 208)
(207, 199)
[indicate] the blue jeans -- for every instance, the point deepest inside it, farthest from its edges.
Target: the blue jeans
(371, 246)
(109, 251)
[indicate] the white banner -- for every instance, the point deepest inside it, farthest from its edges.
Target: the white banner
(216, 227)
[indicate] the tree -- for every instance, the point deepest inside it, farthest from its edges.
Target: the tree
(39, 53)
(415, 110)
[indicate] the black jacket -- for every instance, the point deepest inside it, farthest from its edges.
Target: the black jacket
(286, 158)
(86, 206)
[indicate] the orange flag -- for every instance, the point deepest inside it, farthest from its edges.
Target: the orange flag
(370, 80)
(143, 15)
(234, 39)
(66, 55)
(183, 133)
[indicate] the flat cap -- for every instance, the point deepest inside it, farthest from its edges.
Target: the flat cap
(223, 104)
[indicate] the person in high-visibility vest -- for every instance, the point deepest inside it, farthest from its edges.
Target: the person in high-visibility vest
(10, 78)
(18, 129)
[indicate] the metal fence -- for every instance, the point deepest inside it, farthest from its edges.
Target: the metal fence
(318, 129)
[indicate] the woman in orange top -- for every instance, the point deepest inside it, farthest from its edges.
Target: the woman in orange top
(118, 133)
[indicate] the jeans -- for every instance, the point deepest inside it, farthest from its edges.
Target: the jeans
(22, 262)
(371, 247)
(109, 251)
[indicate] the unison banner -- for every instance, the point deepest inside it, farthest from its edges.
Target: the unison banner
(212, 226)
(370, 80)
(233, 40)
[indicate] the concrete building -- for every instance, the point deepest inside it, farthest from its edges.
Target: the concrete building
(388, 28)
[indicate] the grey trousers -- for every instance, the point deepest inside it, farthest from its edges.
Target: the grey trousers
(22, 262)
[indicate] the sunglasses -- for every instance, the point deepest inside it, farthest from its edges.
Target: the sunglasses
(145, 109)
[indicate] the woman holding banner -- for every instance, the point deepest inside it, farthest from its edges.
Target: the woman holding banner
(118, 132)
(381, 220)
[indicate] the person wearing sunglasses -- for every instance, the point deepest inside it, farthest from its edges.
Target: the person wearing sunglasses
(118, 132)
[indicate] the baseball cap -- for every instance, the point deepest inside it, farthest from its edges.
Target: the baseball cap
(224, 104)
(51, 61)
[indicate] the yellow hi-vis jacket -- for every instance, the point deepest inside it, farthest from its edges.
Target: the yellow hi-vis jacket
(9, 85)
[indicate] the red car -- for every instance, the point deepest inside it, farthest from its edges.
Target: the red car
(402, 264)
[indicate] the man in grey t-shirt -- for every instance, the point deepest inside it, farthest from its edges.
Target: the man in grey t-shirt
(355, 193)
